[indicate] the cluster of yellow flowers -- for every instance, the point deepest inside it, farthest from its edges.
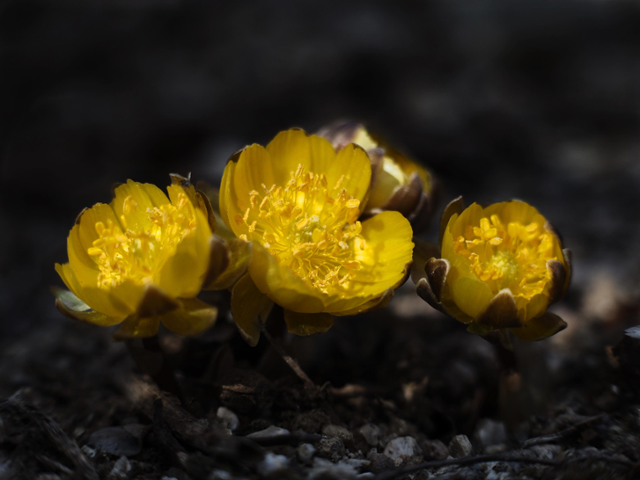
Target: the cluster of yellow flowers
(321, 225)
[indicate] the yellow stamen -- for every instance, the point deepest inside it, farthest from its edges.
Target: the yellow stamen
(137, 255)
(513, 256)
(308, 227)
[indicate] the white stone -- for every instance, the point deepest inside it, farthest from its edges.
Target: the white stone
(402, 447)
(460, 446)
(220, 475)
(490, 432)
(228, 418)
(272, 463)
(120, 469)
(88, 451)
(305, 452)
(371, 434)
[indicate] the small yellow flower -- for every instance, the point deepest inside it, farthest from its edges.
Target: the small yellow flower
(398, 183)
(299, 201)
(501, 268)
(142, 260)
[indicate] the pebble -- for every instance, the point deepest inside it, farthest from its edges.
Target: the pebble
(357, 463)
(305, 453)
(272, 463)
(489, 432)
(228, 418)
(370, 433)
(402, 449)
(120, 469)
(434, 450)
(546, 451)
(380, 462)
(88, 451)
(460, 446)
(269, 432)
(116, 441)
(331, 448)
(331, 430)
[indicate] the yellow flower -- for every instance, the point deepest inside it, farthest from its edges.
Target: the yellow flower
(142, 260)
(298, 202)
(501, 268)
(397, 183)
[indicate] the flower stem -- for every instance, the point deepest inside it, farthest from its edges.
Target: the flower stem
(151, 359)
(293, 364)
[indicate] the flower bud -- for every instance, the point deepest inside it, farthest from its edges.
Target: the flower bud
(397, 182)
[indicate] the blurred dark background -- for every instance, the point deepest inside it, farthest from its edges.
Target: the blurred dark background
(501, 99)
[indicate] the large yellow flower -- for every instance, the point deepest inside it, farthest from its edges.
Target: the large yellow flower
(142, 260)
(501, 268)
(299, 201)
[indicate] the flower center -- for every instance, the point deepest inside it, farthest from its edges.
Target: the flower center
(513, 257)
(307, 226)
(148, 239)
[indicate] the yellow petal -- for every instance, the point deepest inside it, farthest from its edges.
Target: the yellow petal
(86, 231)
(127, 293)
(130, 205)
(453, 209)
(446, 242)
(281, 285)
(307, 323)
(157, 196)
(194, 317)
(459, 267)
(135, 327)
(388, 249)
(249, 306)
(203, 203)
(226, 186)
(470, 216)
(72, 307)
(470, 295)
(383, 263)
(99, 300)
(352, 165)
(540, 327)
(254, 168)
(294, 147)
(371, 305)
(514, 211)
(83, 266)
(528, 309)
(183, 273)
